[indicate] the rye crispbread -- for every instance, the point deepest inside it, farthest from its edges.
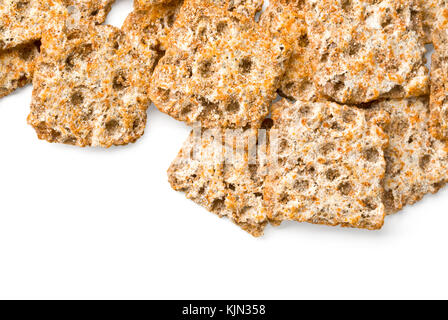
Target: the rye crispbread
(329, 167)
(416, 163)
(367, 50)
(17, 67)
(439, 77)
(221, 68)
(94, 10)
(23, 21)
(286, 18)
(90, 87)
(149, 28)
(232, 188)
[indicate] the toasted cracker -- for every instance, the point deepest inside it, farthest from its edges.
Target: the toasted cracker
(286, 18)
(149, 28)
(417, 164)
(231, 188)
(17, 67)
(330, 166)
(366, 50)
(220, 69)
(90, 87)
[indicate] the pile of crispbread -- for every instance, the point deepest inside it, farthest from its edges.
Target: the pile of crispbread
(319, 111)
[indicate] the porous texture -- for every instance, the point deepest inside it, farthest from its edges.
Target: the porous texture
(367, 49)
(232, 188)
(286, 18)
(90, 87)
(416, 163)
(221, 68)
(330, 166)
(94, 10)
(429, 10)
(148, 30)
(17, 67)
(22, 21)
(439, 78)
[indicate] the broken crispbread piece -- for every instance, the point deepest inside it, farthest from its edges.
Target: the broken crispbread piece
(90, 87)
(94, 10)
(149, 28)
(232, 188)
(17, 67)
(326, 166)
(286, 18)
(417, 164)
(23, 21)
(220, 69)
(367, 50)
(439, 77)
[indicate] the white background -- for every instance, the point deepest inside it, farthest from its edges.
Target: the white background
(91, 223)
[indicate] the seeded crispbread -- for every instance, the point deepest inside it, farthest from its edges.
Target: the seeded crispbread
(22, 21)
(439, 77)
(220, 69)
(286, 18)
(148, 30)
(330, 166)
(232, 188)
(416, 163)
(90, 87)
(17, 67)
(366, 50)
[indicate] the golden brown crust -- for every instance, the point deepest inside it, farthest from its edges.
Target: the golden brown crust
(416, 163)
(231, 188)
(367, 50)
(330, 166)
(221, 68)
(17, 67)
(90, 87)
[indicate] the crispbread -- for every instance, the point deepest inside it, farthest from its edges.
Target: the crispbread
(94, 10)
(287, 18)
(231, 188)
(417, 164)
(439, 77)
(220, 69)
(329, 168)
(429, 9)
(366, 50)
(16, 67)
(90, 87)
(148, 30)
(23, 21)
